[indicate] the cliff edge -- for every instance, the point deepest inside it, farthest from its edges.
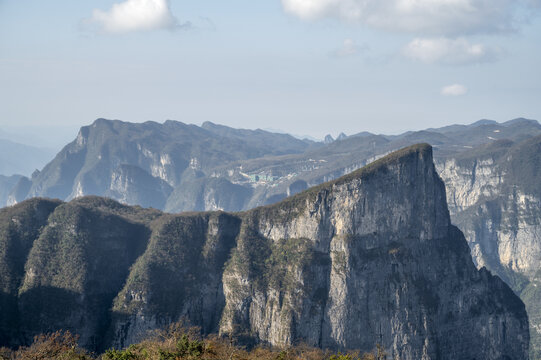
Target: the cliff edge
(368, 258)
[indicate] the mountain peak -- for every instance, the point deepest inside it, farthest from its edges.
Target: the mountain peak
(341, 136)
(520, 121)
(103, 121)
(484, 122)
(370, 257)
(208, 125)
(422, 151)
(392, 175)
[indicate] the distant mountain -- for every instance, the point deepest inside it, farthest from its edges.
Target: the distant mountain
(341, 136)
(273, 143)
(298, 136)
(7, 183)
(22, 159)
(494, 195)
(370, 258)
(179, 167)
(270, 177)
(125, 160)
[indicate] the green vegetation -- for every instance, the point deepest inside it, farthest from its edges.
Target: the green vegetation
(524, 166)
(78, 253)
(175, 343)
(20, 226)
(54, 346)
(493, 150)
(94, 263)
(531, 295)
(251, 253)
(519, 164)
(285, 258)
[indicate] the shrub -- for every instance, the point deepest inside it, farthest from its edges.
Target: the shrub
(55, 346)
(114, 354)
(175, 343)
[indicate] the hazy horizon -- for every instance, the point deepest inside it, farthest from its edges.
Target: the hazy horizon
(60, 136)
(307, 68)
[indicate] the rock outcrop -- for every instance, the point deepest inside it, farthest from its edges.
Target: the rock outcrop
(369, 258)
(126, 160)
(494, 196)
(215, 167)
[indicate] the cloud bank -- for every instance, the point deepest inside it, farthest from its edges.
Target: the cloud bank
(426, 17)
(454, 90)
(134, 15)
(449, 51)
(441, 27)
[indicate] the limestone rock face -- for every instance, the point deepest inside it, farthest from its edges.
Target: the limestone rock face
(132, 185)
(494, 197)
(503, 227)
(369, 258)
(129, 161)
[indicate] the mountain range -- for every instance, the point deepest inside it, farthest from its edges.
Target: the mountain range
(491, 171)
(369, 258)
(179, 167)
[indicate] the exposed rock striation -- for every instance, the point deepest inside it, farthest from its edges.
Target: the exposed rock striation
(368, 258)
(140, 164)
(494, 195)
(215, 167)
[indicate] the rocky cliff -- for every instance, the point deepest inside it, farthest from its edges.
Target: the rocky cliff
(369, 258)
(179, 167)
(140, 164)
(494, 195)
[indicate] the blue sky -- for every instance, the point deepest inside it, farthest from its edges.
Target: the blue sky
(303, 66)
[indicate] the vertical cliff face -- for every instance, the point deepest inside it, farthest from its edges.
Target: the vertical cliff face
(140, 164)
(333, 252)
(494, 196)
(370, 258)
(497, 206)
(501, 183)
(132, 185)
(178, 277)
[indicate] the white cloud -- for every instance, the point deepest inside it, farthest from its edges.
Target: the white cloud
(449, 51)
(134, 15)
(426, 17)
(454, 90)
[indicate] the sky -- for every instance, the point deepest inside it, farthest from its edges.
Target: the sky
(307, 67)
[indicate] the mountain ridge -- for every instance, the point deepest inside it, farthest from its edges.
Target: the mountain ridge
(338, 266)
(471, 158)
(183, 155)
